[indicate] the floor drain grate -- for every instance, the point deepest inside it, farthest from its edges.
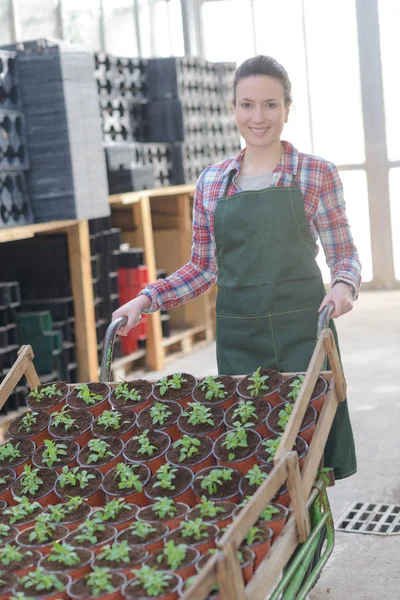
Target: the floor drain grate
(376, 519)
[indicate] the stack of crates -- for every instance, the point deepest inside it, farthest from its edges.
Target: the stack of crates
(133, 277)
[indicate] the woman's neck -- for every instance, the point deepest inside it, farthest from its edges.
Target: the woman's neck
(257, 161)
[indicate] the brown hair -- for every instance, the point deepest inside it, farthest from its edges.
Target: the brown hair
(263, 65)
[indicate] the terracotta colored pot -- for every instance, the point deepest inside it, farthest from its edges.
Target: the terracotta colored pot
(233, 497)
(82, 438)
(49, 596)
(153, 463)
(72, 525)
(24, 460)
(261, 549)
(49, 497)
(172, 523)
(134, 497)
(225, 403)
(247, 566)
(125, 523)
(124, 568)
(187, 570)
(95, 548)
(73, 462)
(33, 405)
(214, 434)
(171, 430)
(11, 580)
(135, 407)
(306, 430)
(39, 437)
(131, 594)
(261, 427)
(152, 545)
(208, 461)
(186, 496)
(203, 546)
(95, 499)
(96, 409)
(116, 595)
(73, 572)
(61, 533)
(181, 397)
(272, 396)
(6, 495)
(25, 525)
(301, 448)
(108, 466)
(220, 521)
(317, 401)
(30, 566)
(277, 523)
(244, 464)
(10, 538)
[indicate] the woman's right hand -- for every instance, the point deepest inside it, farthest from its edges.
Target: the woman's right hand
(132, 310)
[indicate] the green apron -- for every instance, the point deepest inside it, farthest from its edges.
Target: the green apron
(269, 291)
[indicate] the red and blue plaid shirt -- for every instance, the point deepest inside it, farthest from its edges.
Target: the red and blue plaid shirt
(325, 211)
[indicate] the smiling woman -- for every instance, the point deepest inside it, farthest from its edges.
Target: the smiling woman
(257, 217)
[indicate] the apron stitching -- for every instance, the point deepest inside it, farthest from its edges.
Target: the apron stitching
(265, 315)
(222, 237)
(297, 224)
(273, 341)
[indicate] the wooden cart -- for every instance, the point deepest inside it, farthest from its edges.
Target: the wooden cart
(310, 526)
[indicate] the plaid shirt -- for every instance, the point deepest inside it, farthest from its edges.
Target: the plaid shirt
(325, 211)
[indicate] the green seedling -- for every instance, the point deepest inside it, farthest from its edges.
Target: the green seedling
(99, 451)
(255, 534)
(74, 477)
(53, 453)
(4, 530)
(164, 507)
(195, 528)
(153, 582)
(160, 413)
(123, 392)
(246, 412)
(296, 387)
(111, 510)
(213, 388)
(284, 415)
(88, 531)
(63, 418)
(9, 553)
(198, 414)
(165, 476)
(28, 421)
(63, 554)
(208, 508)
(42, 581)
(271, 446)
(22, 510)
(174, 554)
(237, 438)
(117, 552)
(214, 479)
(88, 397)
(142, 529)
(174, 381)
(258, 383)
(269, 512)
(99, 581)
(111, 419)
(145, 446)
(9, 452)
(128, 479)
(49, 391)
(255, 476)
(30, 481)
(43, 530)
(189, 446)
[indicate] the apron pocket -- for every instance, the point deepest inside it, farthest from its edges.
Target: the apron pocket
(295, 335)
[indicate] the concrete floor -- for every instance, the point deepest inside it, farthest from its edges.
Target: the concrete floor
(362, 567)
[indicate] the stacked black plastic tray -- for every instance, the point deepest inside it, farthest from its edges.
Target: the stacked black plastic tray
(67, 178)
(15, 208)
(104, 247)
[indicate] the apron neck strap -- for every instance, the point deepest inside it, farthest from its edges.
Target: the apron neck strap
(230, 179)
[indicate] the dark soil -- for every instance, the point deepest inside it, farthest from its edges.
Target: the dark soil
(75, 490)
(246, 488)
(285, 388)
(147, 513)
(48, 476)
(246, 554)
(52, 565)
(273, 382)
(110, 482)
(9, 476)
(79, 588)
(136, 555)
(128, 418)
(54, 536)
(8, 580)
(137, 591)
(26, 448)
(42, 420)
(124, 515)
(71, 450)
(178, 537)
(262, 410)
(229, 384)
(299, 447)
(141, 386)
(229, 508)
(145, 421)
(157, 438)
(226, 490)
(253, 439)
(82, 421)
(217, 415)
(273, 417)
(79, 514)
(102, 537)
(48, 402)
(132, 539)
(6, 518)
(100, 389)
(204, 450)
(183, 478)
(278, 516)
(265, 534)
(28, 560)
(190, 557)
(41, 594)
(10, 537)
(172, 394)
(115, 446)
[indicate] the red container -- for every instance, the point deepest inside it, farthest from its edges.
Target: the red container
(49, 497)
(153, 545)
(105, 467)
(116, 595)
(73, 572)
(39, 437)
(95, 409)
(131, 594)
(171, 522)
(61, 533)
(261, 549)
(306, 431)
(26, 459)
(134, 497)
(12, 581)
(152, 463)
(95, 548)
(244, 464)
(186, 571)
(31, 566)
(187, 495)
(172, 430)
(49, 596)
(207, 461)
(7, 495)
(73, 463)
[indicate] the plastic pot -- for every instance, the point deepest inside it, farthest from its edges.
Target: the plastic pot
(107, 466)
(73, 572)
(25, 459)
(6, 494)
(301, 447)
(73, 462)
(38, 437)
(10, 537)
(48, 596)
(172, 522)
(46, 498)
(31, 564)
(95, 409)
(261, 549)
(242, 464)
(214, 433)
(125, 568)
(307, 427)
(60, 534)
(110, 535)
(182, 396)
(277, 523)
(272, 396)
(81, 438)
(185, 571)
(316, 400)
(130, 593)
(172, 430)
(261, 426)
(220, 521)
(133, 406)
(131, 497)
(153, 463)
(96, 498)
(232, 496)
(10, 582)
(208, 461)
(203, 545)
(151, 545)
(186, 495)
(119, 579)
(61, 400)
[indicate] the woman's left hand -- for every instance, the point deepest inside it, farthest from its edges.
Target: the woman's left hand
(342, 297)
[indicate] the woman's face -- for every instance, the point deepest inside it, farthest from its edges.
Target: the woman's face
(260, 110)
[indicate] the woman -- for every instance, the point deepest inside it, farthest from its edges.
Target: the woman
(256, 220)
